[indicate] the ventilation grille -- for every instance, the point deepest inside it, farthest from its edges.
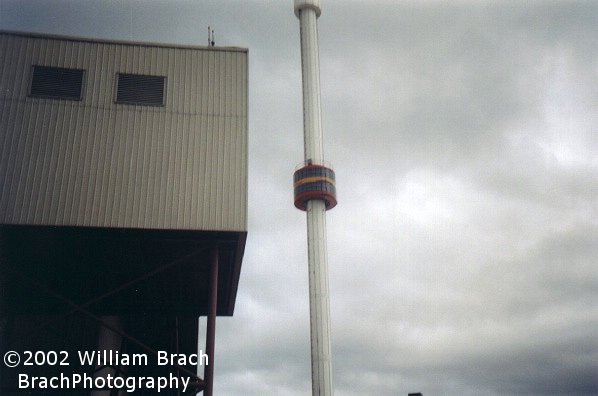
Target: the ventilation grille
(56, 82)
(140, 90)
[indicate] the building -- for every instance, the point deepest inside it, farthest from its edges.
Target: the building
(123, 206)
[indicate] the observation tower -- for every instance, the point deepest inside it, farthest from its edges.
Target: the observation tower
(315, 193)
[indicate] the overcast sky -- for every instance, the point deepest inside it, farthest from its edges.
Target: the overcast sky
(463, 252)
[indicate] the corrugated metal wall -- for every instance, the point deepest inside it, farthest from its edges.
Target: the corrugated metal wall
(97, 163)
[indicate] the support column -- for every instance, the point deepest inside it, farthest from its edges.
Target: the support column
(211, 327)
(321, 356)
(111, 342)
(314, 186)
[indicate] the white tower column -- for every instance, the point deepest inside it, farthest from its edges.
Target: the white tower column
(314, 193)
(308, 12)
(321, 357)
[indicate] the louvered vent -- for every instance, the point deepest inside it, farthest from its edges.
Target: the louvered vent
(140, 90)
(56, 82)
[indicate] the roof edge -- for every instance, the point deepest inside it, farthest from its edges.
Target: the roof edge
(119, 42)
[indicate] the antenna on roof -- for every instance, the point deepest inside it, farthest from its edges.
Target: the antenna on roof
(211, 41)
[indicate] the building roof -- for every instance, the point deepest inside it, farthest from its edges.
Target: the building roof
(122, 42)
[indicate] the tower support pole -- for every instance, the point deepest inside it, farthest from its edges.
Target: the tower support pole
(320, 197)
(321, 356)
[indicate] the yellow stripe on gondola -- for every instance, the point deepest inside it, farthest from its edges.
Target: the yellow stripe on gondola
(313, 179)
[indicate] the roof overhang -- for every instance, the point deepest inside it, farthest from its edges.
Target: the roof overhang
(110, 271)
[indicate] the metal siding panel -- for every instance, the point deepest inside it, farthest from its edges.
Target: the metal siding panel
(71, 165)
(228, 100)
(25, 172)
(210, 181)
(175, 159)
(219, 171)
(157, 145)
(201, 185)
(142, 170)
(10, 120)
(100, 164)
(185, 88)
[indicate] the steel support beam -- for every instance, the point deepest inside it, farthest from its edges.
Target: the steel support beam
(197, 382)
(211, 326)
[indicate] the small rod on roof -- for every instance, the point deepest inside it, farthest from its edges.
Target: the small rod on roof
(211, 41)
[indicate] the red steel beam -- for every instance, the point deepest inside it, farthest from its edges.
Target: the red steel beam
(211, 326)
